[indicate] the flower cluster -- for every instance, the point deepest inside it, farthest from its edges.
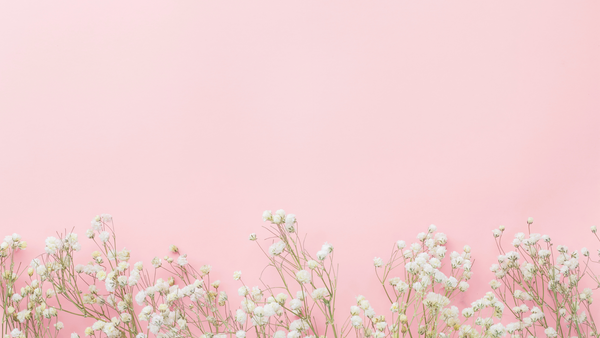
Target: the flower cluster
(126, 299)
(421, 292)
(26, 308)
(542, 287)
(308, 291)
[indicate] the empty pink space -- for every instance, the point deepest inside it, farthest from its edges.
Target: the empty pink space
(185, 120)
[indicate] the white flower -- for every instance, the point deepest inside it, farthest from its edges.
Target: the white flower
(550, 332)
(495, 284)
(279, 334)
(290, 220)
(140, 297)
(267, 215)
(240, 334)
(303, 276)
(23, 315)
(441, 238)
(277, 219)
(96, 224)
(468, 312)
(401, 245)
(53, 244)
(497, 330)
(377, 262)
(101, 275)
(530, 220)
(16, 333)
(356, 321)
(104, 236)
(585, 252)
(236, 276)
(243, 291)
(312, 264)
(259, 311)
(256, 293)
(271, 309)
(321, 255)
(205, 269)
(320, 293)
(276, 248)
(327, 248)
(98, 325)
(401, 287)
(417, 286)
(252, 237)
(295, 304)
(182, 260)
(299, 325)
(281, 298)
(74, 335)
(280, 213)
(435, 301)
(240, 316)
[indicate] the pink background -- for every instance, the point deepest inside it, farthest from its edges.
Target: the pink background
(369, 120)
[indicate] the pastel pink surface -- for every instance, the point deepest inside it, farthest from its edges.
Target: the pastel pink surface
(368, 120)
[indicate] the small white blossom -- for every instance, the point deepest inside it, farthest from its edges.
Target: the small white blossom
(303, 276)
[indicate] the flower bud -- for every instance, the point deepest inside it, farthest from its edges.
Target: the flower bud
(530, 220)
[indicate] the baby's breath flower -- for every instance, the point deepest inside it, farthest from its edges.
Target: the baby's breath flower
(277, 248)
(267, 215)
(182, 260)
(303, 276)
(356, 321)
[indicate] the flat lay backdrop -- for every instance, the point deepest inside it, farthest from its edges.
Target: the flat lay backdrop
(369, 120)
